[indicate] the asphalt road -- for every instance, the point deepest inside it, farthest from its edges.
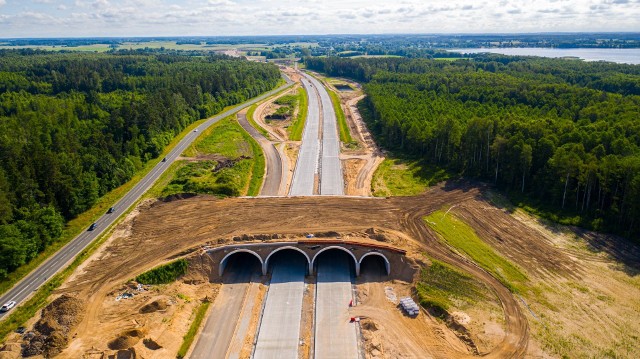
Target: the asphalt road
(279, 335)
(273, 176)
(335, 336)
(215, 338)
(306, 169)
(64, 256)
(331, 179)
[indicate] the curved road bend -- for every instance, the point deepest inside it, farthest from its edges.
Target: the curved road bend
(273, 176)
(60, 259)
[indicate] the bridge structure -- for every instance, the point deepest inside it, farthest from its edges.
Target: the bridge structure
(310, 249)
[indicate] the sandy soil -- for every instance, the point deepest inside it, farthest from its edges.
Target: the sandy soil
(582, 299)
(167, 229)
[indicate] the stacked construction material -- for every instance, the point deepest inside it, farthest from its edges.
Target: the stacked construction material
(409, 306)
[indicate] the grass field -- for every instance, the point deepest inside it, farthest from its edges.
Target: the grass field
(297, 126)
(440, 285)
(404, 177)
(199, 312)
(238, 171)
(463, 238)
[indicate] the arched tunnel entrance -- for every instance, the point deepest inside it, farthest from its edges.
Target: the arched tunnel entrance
(374, 266)
(287, 260)
(239, 266)
(335, 259)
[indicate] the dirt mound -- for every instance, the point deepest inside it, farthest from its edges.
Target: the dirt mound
(126, 340)
(35, 346)
(52, 330)
(154, 306)
(369, 325)
(151, 344)
(126, 354)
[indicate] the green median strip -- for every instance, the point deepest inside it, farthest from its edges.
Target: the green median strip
(461, 236)
(297, 127)
(200, 312)
(345, 135)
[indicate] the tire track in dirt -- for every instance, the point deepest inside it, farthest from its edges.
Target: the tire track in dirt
(165, 230)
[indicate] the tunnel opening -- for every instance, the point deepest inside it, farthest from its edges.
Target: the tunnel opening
(334, 260)
(374, 267)
(239, 266)
(287, 259)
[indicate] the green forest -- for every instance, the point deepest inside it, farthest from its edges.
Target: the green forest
(563, 135)
(74, 126)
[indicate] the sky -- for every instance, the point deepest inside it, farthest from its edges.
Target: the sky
(121, 18)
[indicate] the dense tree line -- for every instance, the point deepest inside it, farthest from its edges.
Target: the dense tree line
(563, 133)
(75, 126)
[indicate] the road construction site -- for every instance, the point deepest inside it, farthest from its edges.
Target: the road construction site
(302, 308)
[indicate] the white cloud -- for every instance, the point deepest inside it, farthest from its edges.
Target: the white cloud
(260, 17)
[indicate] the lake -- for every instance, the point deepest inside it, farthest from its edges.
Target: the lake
(622, 56)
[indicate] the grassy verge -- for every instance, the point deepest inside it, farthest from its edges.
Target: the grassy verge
(164, 274)
(405, 177)
(258, 169)
(345, 135)
(200, 312)
(238, 169)
(440, 285)
(253, 122)
(462, 237)
(296, 128)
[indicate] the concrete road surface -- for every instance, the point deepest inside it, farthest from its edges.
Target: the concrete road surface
(335, 336)
(215, 338)
(331, 179)
(60, 259)
(279, 335)
(306, 169)
(273, 177)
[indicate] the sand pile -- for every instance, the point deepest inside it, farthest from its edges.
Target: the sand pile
(52, 331)
(126, 340)
(154, 306)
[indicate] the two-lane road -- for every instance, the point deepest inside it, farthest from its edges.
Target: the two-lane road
(60, 259)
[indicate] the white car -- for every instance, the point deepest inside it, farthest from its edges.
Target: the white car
(196, 130)
(8, 305)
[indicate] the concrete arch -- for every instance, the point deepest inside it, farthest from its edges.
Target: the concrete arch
(355, 260)
(265, 265)
(386, 261)
(223, 262)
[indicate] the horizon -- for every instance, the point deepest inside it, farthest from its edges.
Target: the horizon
(324, 34)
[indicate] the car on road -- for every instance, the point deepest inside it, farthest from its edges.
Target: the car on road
(196, 130)
(21, 330)
(164, 159)
(110, 210)
(7, 306)
(92, 226)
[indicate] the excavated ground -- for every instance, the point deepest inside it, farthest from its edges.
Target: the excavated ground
(581, 289)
